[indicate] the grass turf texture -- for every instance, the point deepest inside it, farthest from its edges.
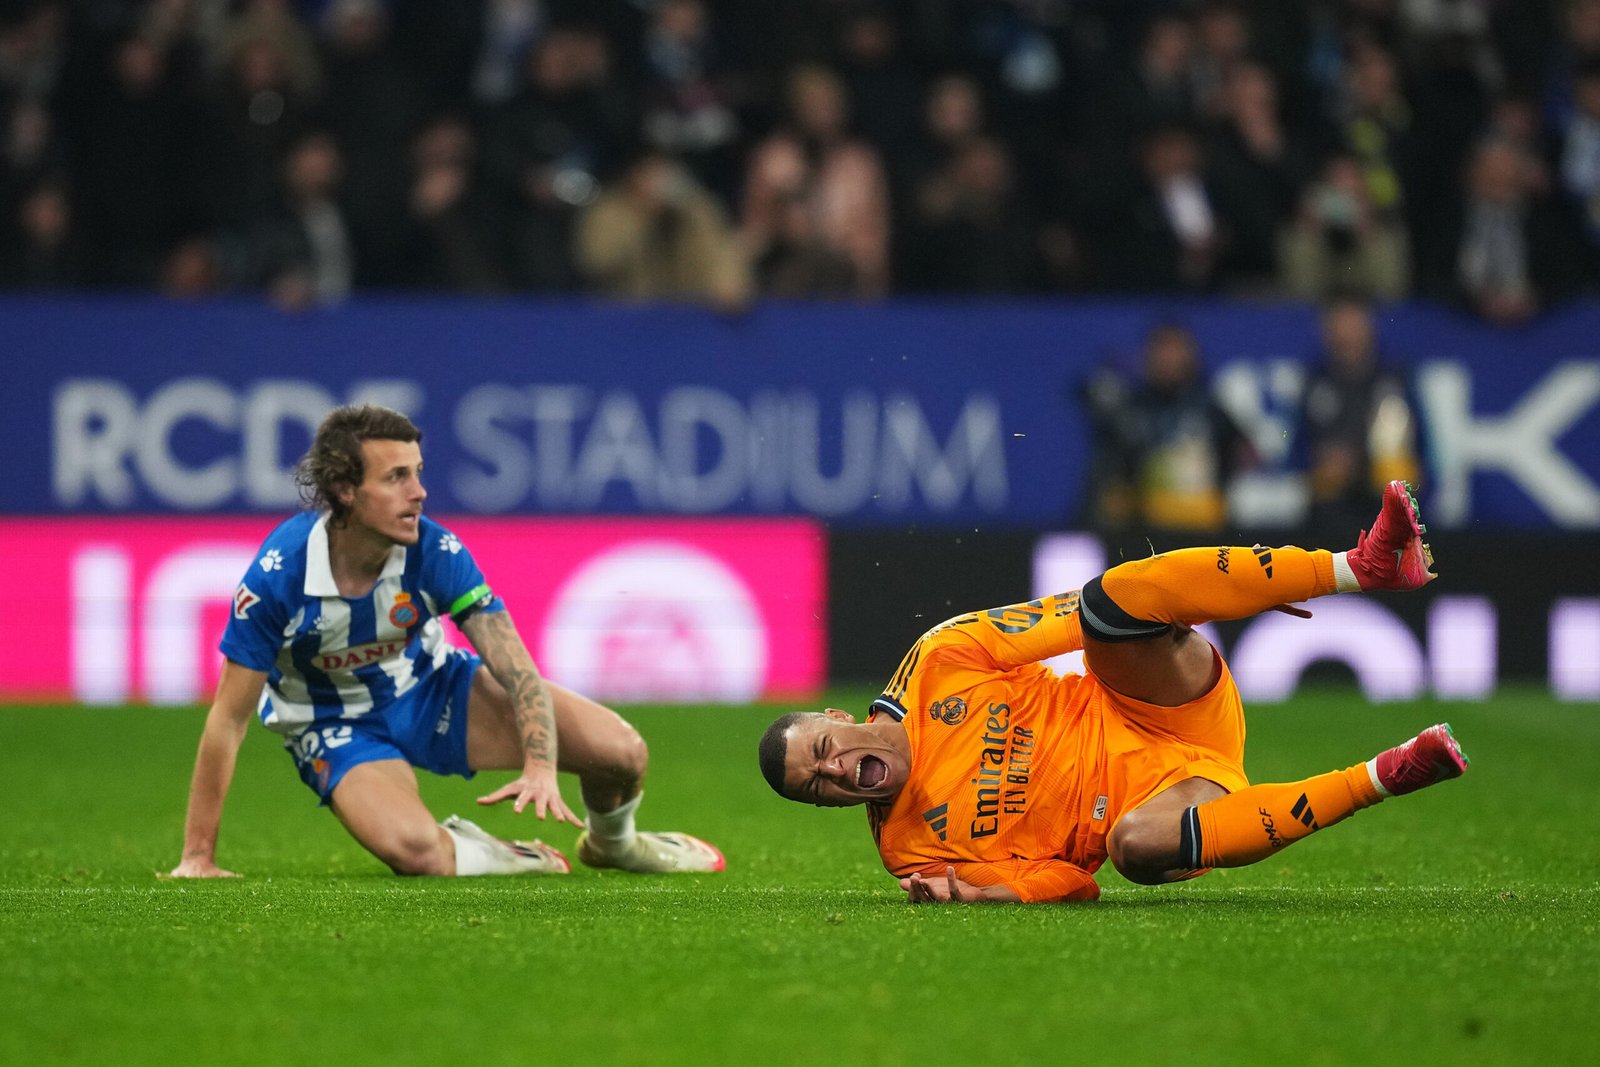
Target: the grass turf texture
(1461, 924)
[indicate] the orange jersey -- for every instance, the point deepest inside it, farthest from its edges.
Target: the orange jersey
(1017, 773)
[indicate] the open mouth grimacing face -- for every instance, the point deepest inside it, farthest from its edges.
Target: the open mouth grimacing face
(871, 772)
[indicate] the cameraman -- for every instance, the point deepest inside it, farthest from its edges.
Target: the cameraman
(1340, 241)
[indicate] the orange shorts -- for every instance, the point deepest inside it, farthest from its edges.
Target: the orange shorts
(1150, 747)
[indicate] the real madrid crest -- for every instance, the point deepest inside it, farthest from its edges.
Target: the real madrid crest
(950, 710)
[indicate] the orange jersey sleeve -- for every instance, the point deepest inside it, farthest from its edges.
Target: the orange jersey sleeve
(1036, 882)
(987, 641)
(1001, 749)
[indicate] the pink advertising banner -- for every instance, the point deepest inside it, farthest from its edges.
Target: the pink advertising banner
(691, 611)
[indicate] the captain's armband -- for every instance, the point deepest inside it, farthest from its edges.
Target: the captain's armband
(470, 603)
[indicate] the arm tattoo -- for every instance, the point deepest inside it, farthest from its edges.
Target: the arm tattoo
(495, 637)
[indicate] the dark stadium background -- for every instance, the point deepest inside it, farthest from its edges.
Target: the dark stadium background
(802, 324)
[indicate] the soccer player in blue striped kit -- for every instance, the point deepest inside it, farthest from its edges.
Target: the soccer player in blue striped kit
(336, 640)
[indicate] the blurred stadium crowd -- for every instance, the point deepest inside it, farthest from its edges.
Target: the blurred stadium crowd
(717, 150)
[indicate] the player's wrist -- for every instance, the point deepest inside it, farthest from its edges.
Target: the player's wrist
(536, 767)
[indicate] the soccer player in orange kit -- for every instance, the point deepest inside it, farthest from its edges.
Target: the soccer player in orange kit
(988, 777)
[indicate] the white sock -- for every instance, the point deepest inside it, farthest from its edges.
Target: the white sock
(1344, 579)
(474, 857)
(1372, 771)
(616, 826)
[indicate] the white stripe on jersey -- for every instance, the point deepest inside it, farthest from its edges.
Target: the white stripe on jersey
(289, 697)
(334, 627)
(397, 666)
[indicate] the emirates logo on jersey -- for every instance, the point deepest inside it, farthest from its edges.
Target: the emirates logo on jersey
(950, 710)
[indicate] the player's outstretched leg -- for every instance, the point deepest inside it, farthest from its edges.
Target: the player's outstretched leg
(1393, 555)
(1143, 598)
(1259, 820)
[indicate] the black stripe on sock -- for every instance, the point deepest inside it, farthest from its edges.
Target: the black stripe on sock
(1189, 839)
(1104, 621)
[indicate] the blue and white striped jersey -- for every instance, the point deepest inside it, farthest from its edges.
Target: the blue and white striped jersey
(332, 657)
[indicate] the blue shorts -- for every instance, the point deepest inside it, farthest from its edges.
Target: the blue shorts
(427, 728)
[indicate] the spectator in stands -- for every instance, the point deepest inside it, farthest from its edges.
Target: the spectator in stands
(372, 109)
(799, 261)
(257, 115)
(1338, 240)
(193, 270)
(31, 57)
(657, 234)
(952, 115)
(504, 32)
(1170, 233)
(1579, 157)
(1377, 128)
(1164, 450)
(815, 162)
(33, 53)
(882, 83)
(968, 231)
(445, 240)
(1579, 43)
(1258, 167)
(276, 25)
(1072, 91)
(1510, 247)
(1515, 118)
(33, 48)
(41, 249)
(133, 181)
(1451, 79)
(194, 31)
(1357, 427)
(1222, 42)
(544, 150)
(28, 151)
(305, 253)
(1158, 87)
(687, 105)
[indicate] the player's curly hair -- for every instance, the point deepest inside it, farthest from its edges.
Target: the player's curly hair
(334, 460)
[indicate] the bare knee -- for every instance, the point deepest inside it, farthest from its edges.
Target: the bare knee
(1143, 847)
(625, 757)
(416, 850)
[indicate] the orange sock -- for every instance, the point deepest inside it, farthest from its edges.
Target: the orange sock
(1259, 820)
(1193, 585)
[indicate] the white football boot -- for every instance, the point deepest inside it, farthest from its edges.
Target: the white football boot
(651, 853)
(511, 857)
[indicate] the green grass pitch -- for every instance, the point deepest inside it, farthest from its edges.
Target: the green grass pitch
(1460, 925)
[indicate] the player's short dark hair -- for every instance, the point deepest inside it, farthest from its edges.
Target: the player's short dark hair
(334, 459)
(775, 750)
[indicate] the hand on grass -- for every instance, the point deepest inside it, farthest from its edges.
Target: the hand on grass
(539, 789)
(198, 868)
(944, 890)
